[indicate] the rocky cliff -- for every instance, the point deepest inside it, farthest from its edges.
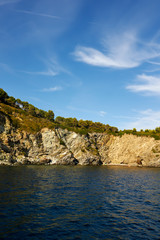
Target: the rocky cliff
(60, 146)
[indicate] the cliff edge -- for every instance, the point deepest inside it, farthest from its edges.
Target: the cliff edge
(60, 146)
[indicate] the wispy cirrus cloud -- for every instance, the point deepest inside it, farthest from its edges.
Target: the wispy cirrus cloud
(120, 51)
(102, 113)
(53, 68)
(147, 119)
(49, 72)
(4, 2)
(37, 14)
(52, 89)
(146, 84)
(154, 67)
(154, 63)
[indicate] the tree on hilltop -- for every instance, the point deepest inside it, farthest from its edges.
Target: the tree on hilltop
(50, 115)
(11, 101)
(3, 95)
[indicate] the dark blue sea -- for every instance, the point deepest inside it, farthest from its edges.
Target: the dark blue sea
(79, 202)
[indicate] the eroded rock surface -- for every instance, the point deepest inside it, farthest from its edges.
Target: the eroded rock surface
(60, 146)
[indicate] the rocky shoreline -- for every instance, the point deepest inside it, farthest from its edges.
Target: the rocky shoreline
(63, 147)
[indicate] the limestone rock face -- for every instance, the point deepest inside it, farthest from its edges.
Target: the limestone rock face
(60, 146)
(131, 150)
(82, 146)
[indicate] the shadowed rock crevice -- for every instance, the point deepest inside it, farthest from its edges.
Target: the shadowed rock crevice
(63, 147)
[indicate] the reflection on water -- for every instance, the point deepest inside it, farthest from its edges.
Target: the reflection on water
(66, 202)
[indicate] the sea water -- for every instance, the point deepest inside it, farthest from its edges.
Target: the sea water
(79, 202)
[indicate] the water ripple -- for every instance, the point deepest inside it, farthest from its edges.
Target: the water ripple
(63, 202)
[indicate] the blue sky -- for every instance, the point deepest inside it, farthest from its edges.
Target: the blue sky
(96, 60)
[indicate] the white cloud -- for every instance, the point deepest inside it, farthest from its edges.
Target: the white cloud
(154, 63)
(55, 67)
(149, 85)
(102, 113)
(148, 119)
(152, 70)
(121, 51)
(38, 14)
(49, 72)
(52, 69)
(52, 89)
(39, 28)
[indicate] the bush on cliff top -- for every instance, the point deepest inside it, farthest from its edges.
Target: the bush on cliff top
(25, 116)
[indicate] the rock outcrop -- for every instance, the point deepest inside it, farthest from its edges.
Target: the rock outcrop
(60, 146)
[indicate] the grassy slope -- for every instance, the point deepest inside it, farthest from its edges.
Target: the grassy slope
(24, 121)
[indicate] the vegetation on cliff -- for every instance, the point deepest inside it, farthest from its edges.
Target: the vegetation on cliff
(27, 117)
